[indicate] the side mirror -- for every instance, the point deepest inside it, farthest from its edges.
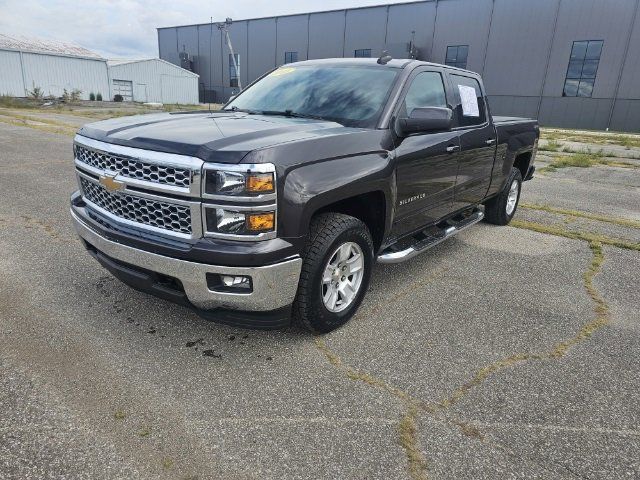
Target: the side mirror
(426, 119)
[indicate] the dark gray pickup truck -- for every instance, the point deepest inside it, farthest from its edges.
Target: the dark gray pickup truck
(277, 206)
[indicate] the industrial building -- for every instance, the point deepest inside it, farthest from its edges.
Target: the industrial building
(153, 80)
(27, 63)
(569, 63)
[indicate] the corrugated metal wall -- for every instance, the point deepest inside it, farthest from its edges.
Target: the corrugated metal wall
(405, 19)
(292, 36)
(365, 29)
(158, 81)
(521, 47)
(20, 72)
(11, 81)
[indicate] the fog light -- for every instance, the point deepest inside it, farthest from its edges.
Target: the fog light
(238, 282)
(229, 283)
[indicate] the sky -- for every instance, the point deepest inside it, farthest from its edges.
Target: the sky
(127, 28)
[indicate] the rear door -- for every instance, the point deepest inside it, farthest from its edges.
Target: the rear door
(427, 163)
(477, 140)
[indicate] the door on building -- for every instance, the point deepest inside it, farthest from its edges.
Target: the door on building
(124, 88)
(140, 92)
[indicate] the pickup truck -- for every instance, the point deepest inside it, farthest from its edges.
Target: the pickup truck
(276, 207)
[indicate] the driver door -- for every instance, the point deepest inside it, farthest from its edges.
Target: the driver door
(426, 163)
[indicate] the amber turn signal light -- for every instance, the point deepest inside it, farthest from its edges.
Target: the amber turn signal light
(260, 182)
(260, 222)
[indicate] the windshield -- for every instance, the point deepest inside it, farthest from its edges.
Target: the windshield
(349, 95)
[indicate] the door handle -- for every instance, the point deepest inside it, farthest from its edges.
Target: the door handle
(491, 141)
(453, 148)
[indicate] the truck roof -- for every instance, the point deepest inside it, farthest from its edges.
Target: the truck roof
(393, 63)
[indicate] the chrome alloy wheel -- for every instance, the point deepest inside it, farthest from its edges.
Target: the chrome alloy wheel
(512, 198)
(342, 277)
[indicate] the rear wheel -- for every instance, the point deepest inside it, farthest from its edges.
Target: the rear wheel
(336, 269)
(501, 209)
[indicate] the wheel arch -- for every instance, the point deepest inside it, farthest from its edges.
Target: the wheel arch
(362, 187)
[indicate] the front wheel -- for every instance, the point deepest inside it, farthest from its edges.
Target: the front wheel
(501, 209)
(336, 269)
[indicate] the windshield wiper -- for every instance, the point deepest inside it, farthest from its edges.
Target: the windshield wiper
(283, 113)
(291, 113)
(243, 110)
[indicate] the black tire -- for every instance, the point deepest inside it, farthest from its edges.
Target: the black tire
(496, 209)
(327, 232)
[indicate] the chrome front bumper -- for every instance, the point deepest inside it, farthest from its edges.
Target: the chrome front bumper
(274, 286)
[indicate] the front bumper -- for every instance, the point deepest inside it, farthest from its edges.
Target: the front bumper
(274, 286)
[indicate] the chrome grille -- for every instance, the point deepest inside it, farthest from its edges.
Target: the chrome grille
(164, 215)
(132, 168)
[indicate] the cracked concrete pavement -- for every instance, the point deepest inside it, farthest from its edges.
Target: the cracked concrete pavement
(100, 381)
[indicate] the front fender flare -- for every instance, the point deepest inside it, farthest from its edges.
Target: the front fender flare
(311, 187)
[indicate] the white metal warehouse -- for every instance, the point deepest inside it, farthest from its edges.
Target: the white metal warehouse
(153, 80)
(26, 63)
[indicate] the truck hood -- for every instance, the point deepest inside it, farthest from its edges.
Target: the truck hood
(212, 136)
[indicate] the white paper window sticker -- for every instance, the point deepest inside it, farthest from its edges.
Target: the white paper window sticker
(469, 101)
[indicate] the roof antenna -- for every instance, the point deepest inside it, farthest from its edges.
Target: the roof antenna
(384, 58)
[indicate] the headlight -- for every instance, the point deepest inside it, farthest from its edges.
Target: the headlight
(219, 182)
(230, 222)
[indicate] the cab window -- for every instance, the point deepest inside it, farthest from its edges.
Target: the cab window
(471, 108)
(426, 90)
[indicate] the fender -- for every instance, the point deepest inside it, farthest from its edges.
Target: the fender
(514, 140)
(311, 187)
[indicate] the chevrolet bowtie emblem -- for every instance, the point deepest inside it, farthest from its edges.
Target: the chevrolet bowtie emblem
(110, 183)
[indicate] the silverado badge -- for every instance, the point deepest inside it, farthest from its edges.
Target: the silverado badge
(110, 183)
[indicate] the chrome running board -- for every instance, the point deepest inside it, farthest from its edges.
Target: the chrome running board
(393, 255)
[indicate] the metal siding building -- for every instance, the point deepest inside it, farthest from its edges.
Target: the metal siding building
(52, 66)
(522, 48)
(153, 80)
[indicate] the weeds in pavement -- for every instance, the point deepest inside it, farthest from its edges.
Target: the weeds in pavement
(408, 432)
(407, 428)
(584, 159)
(551, 146)
(625, 222)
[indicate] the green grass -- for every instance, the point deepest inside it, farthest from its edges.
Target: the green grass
(12, 102)
(627, 141)
(551, 146)
(581, 160)
(584, 159)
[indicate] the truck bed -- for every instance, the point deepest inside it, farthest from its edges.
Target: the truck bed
(520, 132)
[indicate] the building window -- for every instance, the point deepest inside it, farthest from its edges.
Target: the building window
(457, 56)
(290, 57)
(583, 65)
(233, 73)
(362, 53)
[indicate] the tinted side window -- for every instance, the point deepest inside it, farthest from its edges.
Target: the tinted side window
(426, 90)
(470, 108)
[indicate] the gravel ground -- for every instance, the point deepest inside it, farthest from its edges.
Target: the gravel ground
(486, 357)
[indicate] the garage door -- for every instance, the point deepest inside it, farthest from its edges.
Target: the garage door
(124, 88)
